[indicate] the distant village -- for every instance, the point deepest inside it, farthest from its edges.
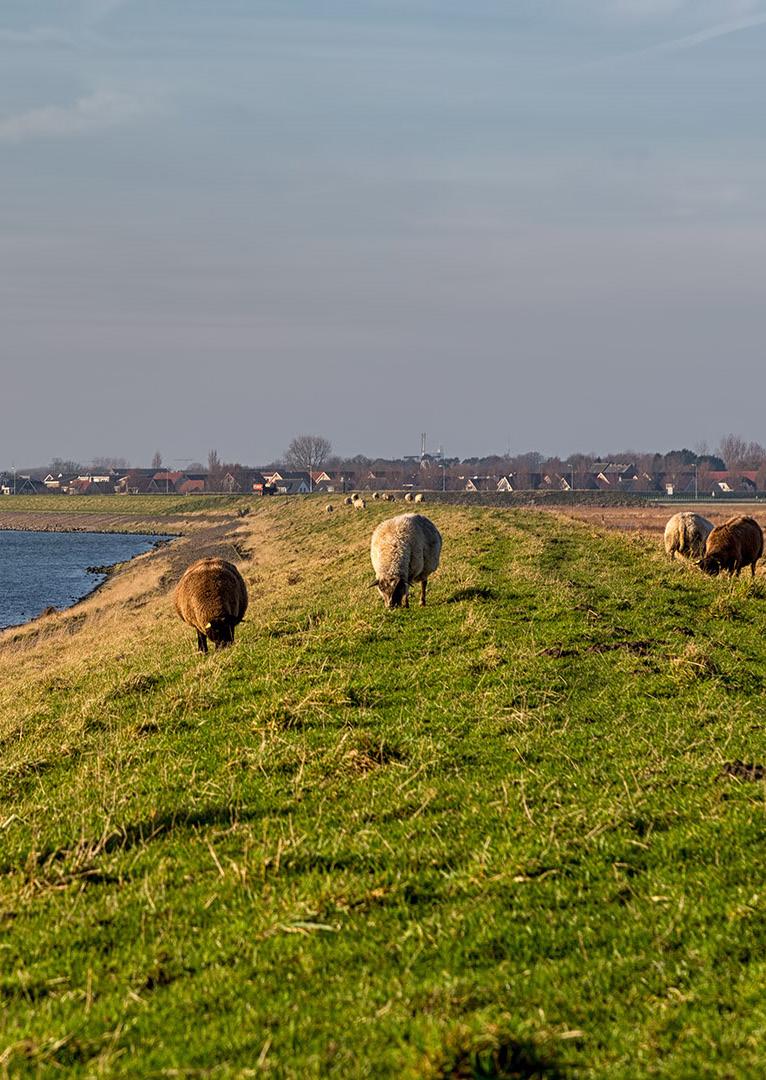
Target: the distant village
(680, 473)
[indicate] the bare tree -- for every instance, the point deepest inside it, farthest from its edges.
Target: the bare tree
(106, 463)
(65, 468)
(157, 460)
(308, 452)
(739, 454)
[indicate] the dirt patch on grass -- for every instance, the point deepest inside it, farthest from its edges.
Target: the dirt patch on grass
(741, 770)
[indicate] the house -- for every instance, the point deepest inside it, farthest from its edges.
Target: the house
(386, 480)
(243, 481)
(678, 483)
(191, 483)
(481, 483)
(57, 483)
(83, 485)
(280, 476)
(137, 482)
(291, 486)
(22, 485)
(643, 485)
(164, 481)
(610, 474)
(729, 482)
(334, 481)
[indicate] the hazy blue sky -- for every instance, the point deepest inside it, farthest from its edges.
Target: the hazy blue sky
(509, 223)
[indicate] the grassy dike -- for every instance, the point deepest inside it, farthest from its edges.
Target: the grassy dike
(488, 838)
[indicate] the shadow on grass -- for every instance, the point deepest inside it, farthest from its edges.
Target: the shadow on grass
(510, 1059)
(472, 592)
(127, 837)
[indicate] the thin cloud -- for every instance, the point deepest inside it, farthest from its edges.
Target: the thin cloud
(93, 113)
(96, 10)
(38, 35)
(701, 37)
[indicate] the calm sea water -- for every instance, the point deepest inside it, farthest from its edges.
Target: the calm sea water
(44, 569)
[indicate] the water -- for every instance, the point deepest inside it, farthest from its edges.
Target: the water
(47, 569)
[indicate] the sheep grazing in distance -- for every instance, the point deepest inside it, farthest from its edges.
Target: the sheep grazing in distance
(686, 534)
(376, 495)
(349, 500)
(419, 497)
(212, 597)
(736, 543)
(359, 503)
(408, 497)
(329, 508)
(404, 549)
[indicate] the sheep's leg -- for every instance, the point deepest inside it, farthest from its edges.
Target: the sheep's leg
(201, 642)
(423, 584)
(406, 601)
(752, 569)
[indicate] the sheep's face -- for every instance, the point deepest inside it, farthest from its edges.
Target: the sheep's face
(710, 565)
(393, 591)
(220, 632)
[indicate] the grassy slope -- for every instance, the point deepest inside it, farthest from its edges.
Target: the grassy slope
(418, 844)
(134, 505)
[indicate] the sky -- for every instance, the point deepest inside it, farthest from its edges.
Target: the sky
(511, 224)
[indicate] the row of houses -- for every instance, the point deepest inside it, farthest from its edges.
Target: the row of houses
(599, 476)
(615, 477)
(167, 482)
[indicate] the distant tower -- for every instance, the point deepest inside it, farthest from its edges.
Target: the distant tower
(422, 444)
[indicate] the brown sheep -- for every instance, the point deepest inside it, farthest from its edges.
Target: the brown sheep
(736, 543)
(403, 550)
(212, 597)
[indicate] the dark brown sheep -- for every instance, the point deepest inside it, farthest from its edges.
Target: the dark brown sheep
(212, 597)
(736, 543)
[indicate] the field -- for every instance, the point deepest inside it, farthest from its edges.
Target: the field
(495, 837)
(651, 520)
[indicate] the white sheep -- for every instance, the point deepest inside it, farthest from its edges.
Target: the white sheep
(419, 497)
(359, 503)
(408, 497)
(687, 533)
(349, 500)
(329, 508)
(404, 549)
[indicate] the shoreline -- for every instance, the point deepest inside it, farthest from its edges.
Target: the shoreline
(106, 572)
(175, 545)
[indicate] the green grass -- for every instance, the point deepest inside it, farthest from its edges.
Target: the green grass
(122, 504)
(483, 839)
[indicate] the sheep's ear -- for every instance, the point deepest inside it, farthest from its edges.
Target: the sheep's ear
(373, 584)
(208, 625)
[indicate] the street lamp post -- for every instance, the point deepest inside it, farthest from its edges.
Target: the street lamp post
(695, 481)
